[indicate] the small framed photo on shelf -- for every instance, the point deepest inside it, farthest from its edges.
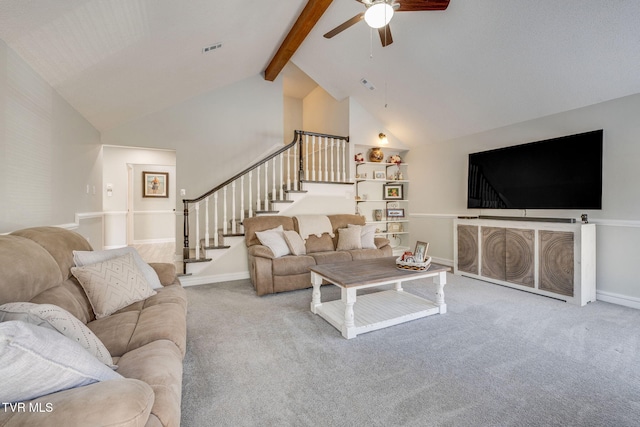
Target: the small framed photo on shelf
(394, 227)
(395, 213)
(393, 205)
(379, 175)
(155, 184)
(420, 253)
(392, 192)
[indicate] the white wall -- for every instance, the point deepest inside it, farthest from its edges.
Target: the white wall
(214, 135)
(321, 113)
(49, 154)
(292, 117)
(443, 181)
(153, 218)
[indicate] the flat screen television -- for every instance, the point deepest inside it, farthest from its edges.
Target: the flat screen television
(559, 173)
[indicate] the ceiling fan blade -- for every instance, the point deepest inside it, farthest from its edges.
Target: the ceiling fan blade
(385, 35)
(340, 28)
(418, 5)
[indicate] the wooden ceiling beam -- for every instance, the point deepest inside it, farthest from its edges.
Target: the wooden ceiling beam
(302, 27)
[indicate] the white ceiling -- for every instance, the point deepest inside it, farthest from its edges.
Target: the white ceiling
(478, 65)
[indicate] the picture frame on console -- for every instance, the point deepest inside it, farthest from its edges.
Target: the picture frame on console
(392, 192)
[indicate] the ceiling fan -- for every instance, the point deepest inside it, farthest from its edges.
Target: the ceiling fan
(378, 13)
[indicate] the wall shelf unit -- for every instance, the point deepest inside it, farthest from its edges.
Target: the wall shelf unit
(370, 179)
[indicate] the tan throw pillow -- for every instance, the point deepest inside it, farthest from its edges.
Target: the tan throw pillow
(274, 240)
(113, 284)
(349, 238)
(367, 235)
(82, 258)
(57, 318)
(295, 242)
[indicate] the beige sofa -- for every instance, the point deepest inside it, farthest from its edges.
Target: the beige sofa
(147, 339)
(270, 274)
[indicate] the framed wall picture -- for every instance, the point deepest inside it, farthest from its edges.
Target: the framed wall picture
(395, 213)
(380, 175)
(420, 253)
(392, 192)
(155, 184)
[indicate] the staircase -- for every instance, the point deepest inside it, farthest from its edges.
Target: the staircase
(213, 221)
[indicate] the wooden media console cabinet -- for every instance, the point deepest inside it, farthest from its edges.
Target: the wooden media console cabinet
(557, 260)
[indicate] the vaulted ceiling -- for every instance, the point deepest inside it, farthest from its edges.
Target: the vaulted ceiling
(478, 65)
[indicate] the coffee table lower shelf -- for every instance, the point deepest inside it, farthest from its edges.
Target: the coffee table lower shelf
(377, 310)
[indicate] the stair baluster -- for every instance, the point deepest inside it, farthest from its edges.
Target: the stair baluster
(216, 238)
(344, 160)
(313, 158)
(333, 177)
(296, 167)
(280, 187)
(233, 207)
(198, 230)
(326, 158)
(206, 222)
(242, 197)
(266, 186)
(224, 210)
(273, 188)
(258, 189)
(250, 194)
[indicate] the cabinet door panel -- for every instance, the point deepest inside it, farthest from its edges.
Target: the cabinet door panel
(520, 264)
(556, 262)
(493, 248)
(468, 248)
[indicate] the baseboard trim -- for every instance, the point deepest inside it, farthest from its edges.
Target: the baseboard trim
(618, 299)
(152, 241)
(204, 280)
(106, 248)
(443, 261)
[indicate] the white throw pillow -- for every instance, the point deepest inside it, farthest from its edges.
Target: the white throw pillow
(367, 235)
(274, 240)
(57, 318)
(295, 242)
(82, 258)
(113, 284)
(36, 361)
(349, 238)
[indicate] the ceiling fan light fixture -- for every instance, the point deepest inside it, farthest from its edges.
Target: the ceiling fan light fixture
(378, 14)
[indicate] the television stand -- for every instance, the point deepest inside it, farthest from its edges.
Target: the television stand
(553, 259)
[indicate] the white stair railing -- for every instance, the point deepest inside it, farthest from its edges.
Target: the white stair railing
(302, 159)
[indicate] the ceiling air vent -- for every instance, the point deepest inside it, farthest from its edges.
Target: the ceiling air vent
(366, 83)
(214, 46)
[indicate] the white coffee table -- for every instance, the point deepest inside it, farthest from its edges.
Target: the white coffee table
(374, 310)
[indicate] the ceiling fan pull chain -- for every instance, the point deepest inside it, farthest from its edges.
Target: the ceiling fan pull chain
(370, 43)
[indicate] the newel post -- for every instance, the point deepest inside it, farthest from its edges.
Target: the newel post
(300, 159)
(185, 249)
